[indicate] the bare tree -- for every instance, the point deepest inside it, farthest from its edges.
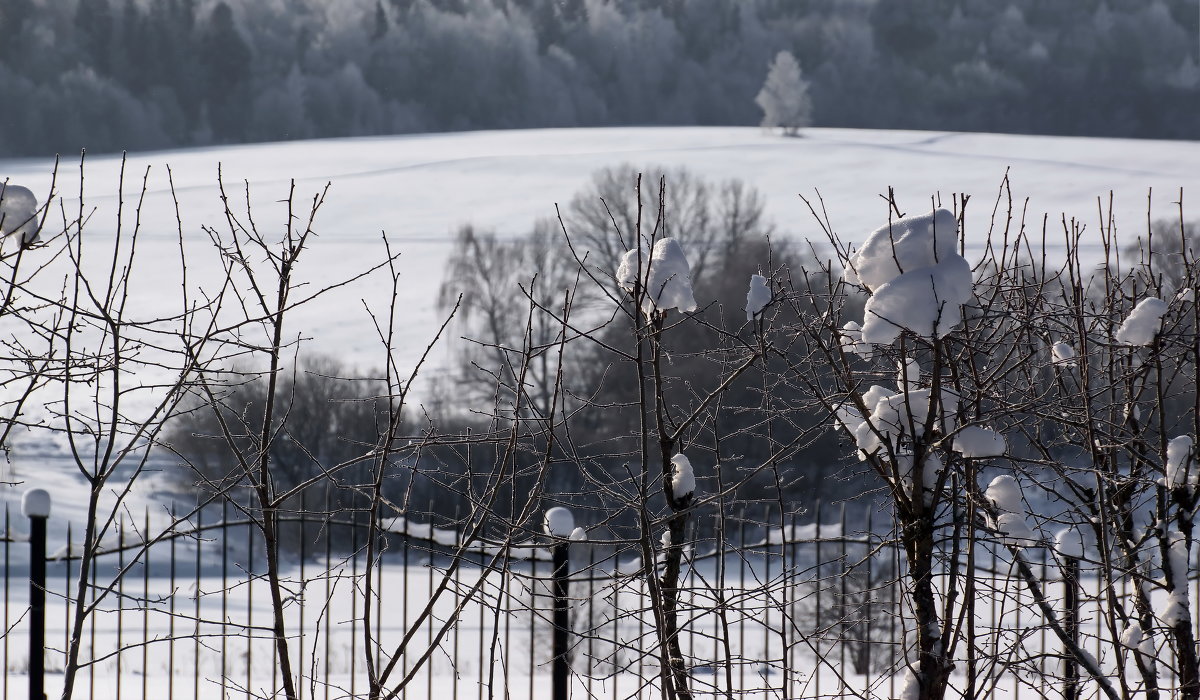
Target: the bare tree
(492, 281)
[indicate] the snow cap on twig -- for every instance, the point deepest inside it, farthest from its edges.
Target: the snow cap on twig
(758, 297)
(977, 441)
(18, 213)
(665, 274)
(559, 522)
(1063, 353)
(1004, 493)
(917, 279)
(1143, 323)
(683, 479)
(1180, 470)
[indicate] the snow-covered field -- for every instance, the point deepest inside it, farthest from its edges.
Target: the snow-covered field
(420, 188)
(775, 619)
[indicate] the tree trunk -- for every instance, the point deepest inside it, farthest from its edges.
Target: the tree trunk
(933, 668)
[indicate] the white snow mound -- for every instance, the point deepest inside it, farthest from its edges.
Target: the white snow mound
(978, 441)
(1142, 324)
(18, 213)
(758, 297)
(559, 522)
(1013, 527)
(1005, 494)
(925, 301)
(893, 416)
(908, 374)
(915, 275)
(1179, 456)
(683, 479)
(851, 339)
(1070, 542)
(627, 271)
(903, 246)
(664, 272)
(1063, 353)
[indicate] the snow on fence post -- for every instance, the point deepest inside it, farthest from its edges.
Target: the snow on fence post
(560, 524)
(1071, 626)
(35, 505)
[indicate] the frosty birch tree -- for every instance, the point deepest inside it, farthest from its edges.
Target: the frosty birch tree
(784, 97)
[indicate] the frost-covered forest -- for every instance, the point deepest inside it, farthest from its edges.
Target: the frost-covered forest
(129, 74)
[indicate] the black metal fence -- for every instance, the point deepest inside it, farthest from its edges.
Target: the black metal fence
(770, 608)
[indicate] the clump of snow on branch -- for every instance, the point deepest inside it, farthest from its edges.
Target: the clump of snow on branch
(628, 274)
(908, 375)
(559, 522)
(977, 441)
(1186, 295)
(1176, 609)
(758, 297)
(18, 213)
(916, 278)
(893, 416)
(1004, 493)
(1142, 324)
(903, 246)
(1071, 542)
(1179, 467)
(931, 470)
(579, 535)
(1063, 353)
(851, 339)
(1134, 639)
(664, 273)
(683, 479)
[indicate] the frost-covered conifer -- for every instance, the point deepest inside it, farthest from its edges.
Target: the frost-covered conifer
(784, 96)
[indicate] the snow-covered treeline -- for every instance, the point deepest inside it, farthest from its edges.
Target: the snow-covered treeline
(128, 74)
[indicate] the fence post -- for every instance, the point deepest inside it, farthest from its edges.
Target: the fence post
(35, 505)
(561, 622)
(559, 524)
(1071, 626)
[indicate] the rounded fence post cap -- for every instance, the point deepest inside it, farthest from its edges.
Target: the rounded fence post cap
(36, 503)
(559, 522)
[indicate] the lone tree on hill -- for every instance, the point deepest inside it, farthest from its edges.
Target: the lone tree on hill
(784, 96)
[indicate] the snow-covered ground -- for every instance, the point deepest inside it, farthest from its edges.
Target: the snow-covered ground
(775, 620)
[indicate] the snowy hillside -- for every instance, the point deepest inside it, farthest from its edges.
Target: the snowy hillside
(420, 188)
